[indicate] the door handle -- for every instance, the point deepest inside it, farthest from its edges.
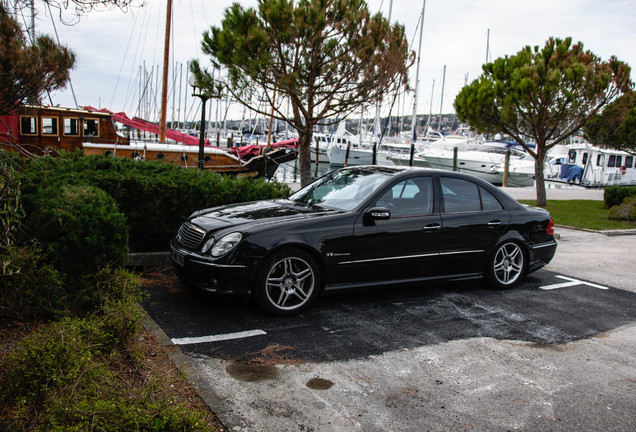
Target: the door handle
(432, 227)
(494, 223)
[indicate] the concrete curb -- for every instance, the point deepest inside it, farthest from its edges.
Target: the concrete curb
(609, 233)
(148, 260)
(216, 404)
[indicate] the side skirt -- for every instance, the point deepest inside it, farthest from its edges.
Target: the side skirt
(400, 282)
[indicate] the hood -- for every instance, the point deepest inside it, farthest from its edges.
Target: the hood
(255, 213)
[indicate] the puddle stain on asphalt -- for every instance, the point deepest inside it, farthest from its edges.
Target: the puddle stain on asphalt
(319, 384)
(249, 372)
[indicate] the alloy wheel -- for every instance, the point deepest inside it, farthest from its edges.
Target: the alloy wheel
(508, 264)
(290, 283)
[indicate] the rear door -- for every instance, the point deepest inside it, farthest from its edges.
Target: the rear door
(473, 220)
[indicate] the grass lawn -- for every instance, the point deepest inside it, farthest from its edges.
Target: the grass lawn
(582, 214)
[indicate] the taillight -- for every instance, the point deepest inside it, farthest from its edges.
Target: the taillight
(550, 229)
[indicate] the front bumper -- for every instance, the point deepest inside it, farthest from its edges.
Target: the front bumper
(209, 275)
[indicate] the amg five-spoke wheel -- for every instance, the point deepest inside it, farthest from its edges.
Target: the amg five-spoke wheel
(288, 282)
(507, 265)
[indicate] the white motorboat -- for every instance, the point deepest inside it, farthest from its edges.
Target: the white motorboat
(481, 162)
(520, 172)
(363, 154)
(322, 143)
(397, 151)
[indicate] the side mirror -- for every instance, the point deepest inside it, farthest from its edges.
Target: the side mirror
(376, 213)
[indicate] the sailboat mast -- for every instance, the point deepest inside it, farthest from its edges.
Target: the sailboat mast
(441, 103)
(417, 75)
(430, 109)
(487, 45)
(164, 83)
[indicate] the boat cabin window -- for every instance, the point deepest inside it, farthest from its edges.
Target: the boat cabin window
(28, 125)
(629, 160)
(600, 159)
(49, 126)
(572, 156)
(584, 158)
(71, 126)
(615, 161)
(91, 127)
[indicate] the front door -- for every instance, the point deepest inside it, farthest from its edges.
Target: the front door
(403, 247)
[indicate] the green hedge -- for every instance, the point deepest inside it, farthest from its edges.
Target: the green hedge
(80, 227)
(615, 195)
(155, 197)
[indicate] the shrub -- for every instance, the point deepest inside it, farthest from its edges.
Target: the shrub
(73, 375)
(10, 209)
(624, 211)
(113, 284)
(115, 295)
(30, 288)
(54, 357)
(615, 195)
(80, 227)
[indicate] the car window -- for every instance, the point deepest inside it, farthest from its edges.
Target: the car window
(341, 189)
(460, 195)
(409, 197)
(488, 200)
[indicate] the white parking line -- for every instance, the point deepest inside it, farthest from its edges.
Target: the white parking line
(572, 282)
(217, 338)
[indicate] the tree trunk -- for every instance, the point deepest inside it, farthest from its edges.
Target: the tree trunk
(304, 156)
(538, 175)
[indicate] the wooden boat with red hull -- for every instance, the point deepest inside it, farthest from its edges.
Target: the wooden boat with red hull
(214, 159)
(48, 130)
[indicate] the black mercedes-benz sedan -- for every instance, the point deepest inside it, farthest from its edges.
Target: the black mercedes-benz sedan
(361, 227)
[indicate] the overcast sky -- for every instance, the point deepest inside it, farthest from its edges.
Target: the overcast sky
(111, 46)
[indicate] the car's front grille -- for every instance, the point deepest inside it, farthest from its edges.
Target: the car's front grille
(190, 235)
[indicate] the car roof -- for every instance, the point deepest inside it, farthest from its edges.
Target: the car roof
(405, 170)
(410, 169)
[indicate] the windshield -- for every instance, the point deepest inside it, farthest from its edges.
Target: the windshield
(342, 189)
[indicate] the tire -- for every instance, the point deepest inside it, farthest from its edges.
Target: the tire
(287, 283)
(507, 265)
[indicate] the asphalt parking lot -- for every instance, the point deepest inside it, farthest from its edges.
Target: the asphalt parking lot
(556, 353)
(358, 325)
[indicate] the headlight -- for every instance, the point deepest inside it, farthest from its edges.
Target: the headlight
(207, 245)
(225, 244)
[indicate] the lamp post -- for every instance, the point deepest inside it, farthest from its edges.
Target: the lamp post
(197, 91)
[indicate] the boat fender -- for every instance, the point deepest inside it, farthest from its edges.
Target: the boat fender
(623, 170)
